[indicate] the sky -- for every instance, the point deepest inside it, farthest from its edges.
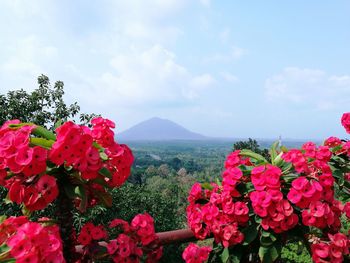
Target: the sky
(240, 69)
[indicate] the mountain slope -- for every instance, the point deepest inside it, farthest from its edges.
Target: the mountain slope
(157, 129)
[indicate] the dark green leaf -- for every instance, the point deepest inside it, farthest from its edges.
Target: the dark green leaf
(104, 197)
(105, 172)
(69, 189)
(250, 234)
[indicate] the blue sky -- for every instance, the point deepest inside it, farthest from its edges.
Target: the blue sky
(221, 68)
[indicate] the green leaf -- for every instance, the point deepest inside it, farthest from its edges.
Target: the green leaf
(253, 155)
(273, 151)
(244, 188)
(5, 254)
(264, 255)
(103, 156)
(267, 238)
(58, 123)
(235, 259)
(250, 234)
(265, 241)
(265, 233)
(274, 253)
(26, 211)
(42, 142)
(2, 218)
(290, 177)
(42, 132)
(268, 254)
(337, 148)
(101, 182)
(105, 172)
(207, 186)
(4, 248)
(81, 192)
(284, 149)
(278, 161)
(69, 189)
(225, 255)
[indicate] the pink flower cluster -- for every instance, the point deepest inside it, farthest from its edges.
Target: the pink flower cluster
(195, 254)
(215, 212)
(31, 242)
(16, 154)
(28, 183)
(331, 251)
(35, 193)
(136, 239)
(234, 159)
(345, 121)
(268, 202)
(313, 190)
(74, 147)
(300, 195)
(90, 232)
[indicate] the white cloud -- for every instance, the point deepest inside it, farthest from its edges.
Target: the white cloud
(205, 3)
(233, 54)
(197, 84)
(312, 88)
(146, 76)
(229, 77)
(115, 57)
(22, 62)
(224, 35)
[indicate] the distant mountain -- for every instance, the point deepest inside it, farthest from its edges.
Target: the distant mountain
(157, 129)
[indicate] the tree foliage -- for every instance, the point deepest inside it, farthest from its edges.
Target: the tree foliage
(44, 106)
(252, 145)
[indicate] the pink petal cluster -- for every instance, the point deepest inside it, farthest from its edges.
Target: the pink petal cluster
(345, 121)
(136, 240)
(16, 154)
(313, 191)
(120, 157)
(195, 254)
(214, 212)
(31, 242)
(35, 193)
(332, 250)
(27, 164)
(74, 147)
(267, 201)
(90, 232)
(234, 159)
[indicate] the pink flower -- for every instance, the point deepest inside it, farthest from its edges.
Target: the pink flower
(320, 250)
(195, 254)
(32, 242)
(143, 224)
(345, 121)
(347, 209)
(332, 142)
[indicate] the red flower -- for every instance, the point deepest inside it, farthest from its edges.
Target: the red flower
(196, 254)
(345, 121)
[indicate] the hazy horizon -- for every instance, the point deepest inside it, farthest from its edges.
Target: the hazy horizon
(208, 138)
(219, 68)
